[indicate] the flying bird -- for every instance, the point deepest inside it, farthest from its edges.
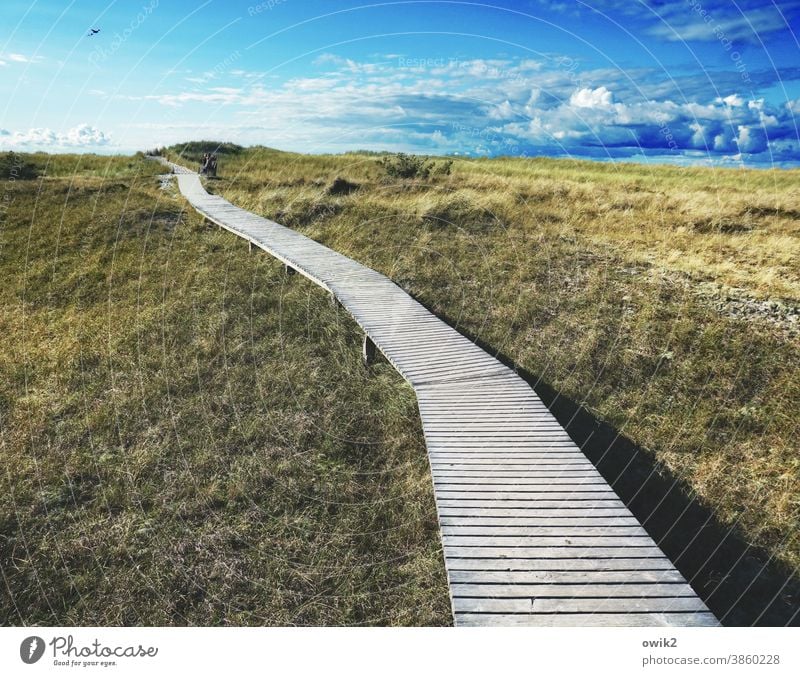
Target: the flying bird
(93, 31)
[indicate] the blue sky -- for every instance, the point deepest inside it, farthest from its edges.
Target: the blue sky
(700, 81)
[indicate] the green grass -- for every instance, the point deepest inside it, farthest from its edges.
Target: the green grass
(187, 435)
(665, 299)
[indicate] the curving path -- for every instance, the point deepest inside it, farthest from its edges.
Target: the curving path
(532, 533)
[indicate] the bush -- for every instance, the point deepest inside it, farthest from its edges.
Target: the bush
(406, 166)
(402, 165)
(444, 168)
(341, 186)
(14, 168)
(193, 151)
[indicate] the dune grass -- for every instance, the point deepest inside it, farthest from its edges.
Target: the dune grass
(664, 299)
(187, 435)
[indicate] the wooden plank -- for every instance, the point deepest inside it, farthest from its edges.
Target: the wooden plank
(556, 475)
(695, 619)
(447, 480)
(567, 563)
(538, 455)
(571, 496)
(593, 577)
(569, 504)
(580, 591)
(521, 490)
(578, 605)
(588, 522)
(550, 552)
(578, 532)
(527, 541)
(459, 511)
(493, 457)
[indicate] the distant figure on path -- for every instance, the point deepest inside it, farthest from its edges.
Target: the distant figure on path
(209, 165)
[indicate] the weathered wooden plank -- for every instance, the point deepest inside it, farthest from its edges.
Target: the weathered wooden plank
(566, 504)
(459, 511)
(576, 532)
(522, 491)
(509, 430)
(541, 443)
(578, 605)
(527, 541)
(567, 563)
(497, 457)
(575, 495)
(542, 452)
(546, 577)
(460, 481)
(445, 468)
(452, 551)
(440, 417)
(532, 458)
(490, 460)
(560, 590)
(627, 619)
(588, 522)
(555, 476)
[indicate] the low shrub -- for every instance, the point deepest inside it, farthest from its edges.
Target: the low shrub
(402, 165)
(13, 167)
(341, 186)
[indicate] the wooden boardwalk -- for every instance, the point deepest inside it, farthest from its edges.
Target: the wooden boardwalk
(532, 533)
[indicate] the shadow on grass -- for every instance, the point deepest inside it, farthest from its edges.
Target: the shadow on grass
(738, 581)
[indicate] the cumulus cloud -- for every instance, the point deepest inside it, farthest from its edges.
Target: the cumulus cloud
(81, 137)
(732, 100)
(591, 98)
(503, 111)
(86, 135)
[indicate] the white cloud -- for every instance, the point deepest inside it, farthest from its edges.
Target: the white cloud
(734, 100)
(327, 58)
(592, 98)
(21, 58)
(504, 111)
(85, 135)
(174, 100)
(747, 26)
(82, 136)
